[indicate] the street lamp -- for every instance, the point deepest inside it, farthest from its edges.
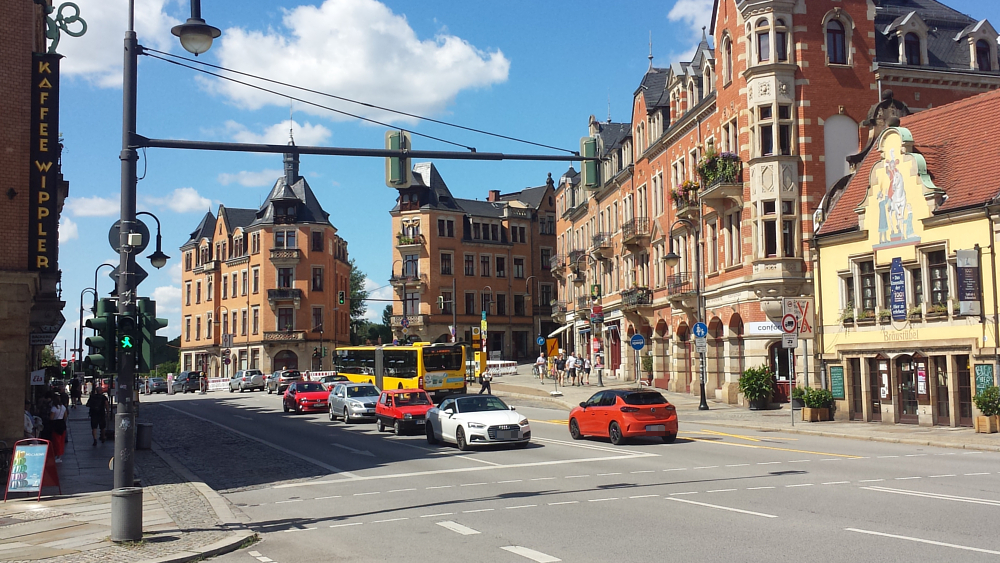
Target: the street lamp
(671, 260)
(593, 327)
(80, 341)
(158, 259)
(196, 36)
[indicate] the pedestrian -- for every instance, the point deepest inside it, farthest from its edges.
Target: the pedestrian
(571, 368)
(540, 367)
(29, 421)
(486, 378)
(98, 405)
(74, 392)
(57, 416)
(561, 369)
(586, 370)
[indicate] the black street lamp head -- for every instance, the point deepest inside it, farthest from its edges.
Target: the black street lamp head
(671, 259)
(158, 259)
(196, 35)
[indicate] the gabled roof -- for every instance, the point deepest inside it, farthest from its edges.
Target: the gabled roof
(532, 197)
(613, 135)
(425, 174)
(235, 217)
(205, 229)
(309, 212)
(950, 138)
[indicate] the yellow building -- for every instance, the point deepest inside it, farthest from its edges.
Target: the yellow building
(906, 274)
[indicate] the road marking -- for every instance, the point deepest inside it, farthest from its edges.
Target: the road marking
(871, 480)
(253, 553)
(439, 487)
(837, 483)
(470, 458)
(738, 465)
(687, 493)
(905, 478)
(389, 520)
(832, 459)
(564, 502)
(478, 510)
(601, 499)
(946, 475)
(727, 508)
(554, 421)
(288, 501)
(521, 506)
(311, 460)
(920, 540)
(721, 491)
(437, 515)
(798, 461)
(949, 453)
(771, 448)
(400, 490)
(799, 485)
(263, 559)
(886, 456)
(243, 417)
(972, 474)
(346, 525)
(509, 481)
(936, 496)
(575, 476)
(768, 462)
(536, 556)
(364, 494)
(471, 484)
(543, 478)
(607, 474)
(677, 469)
(707, 467)
(457, 528)
(971, 453)
(329, 497)
(644, 496)
(643, 471)
(298, 530)
(758, 488)
(915, 455)
(353, 451)
(730, 435)
(591, 446)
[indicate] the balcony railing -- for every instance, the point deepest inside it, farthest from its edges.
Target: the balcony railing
(722, 180)
(583, 302)
(558, 307)
(573, 257)
(601, 240)
(637, 297)
(410, 240)
(411, 320)
(635, 229)
(285, 336)
(285, 254)
(557, 262)
(680, 283)
(209, 266)
(284, 294)
(399, 280)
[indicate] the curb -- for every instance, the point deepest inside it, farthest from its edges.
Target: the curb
(556, 401)
(220, 547)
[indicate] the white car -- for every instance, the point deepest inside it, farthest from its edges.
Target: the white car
(469, 420)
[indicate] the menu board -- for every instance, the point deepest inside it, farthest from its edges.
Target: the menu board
(26, 468)
(837, 382)
(984, 377)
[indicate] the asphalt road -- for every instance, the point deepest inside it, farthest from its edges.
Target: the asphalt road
(321, 491)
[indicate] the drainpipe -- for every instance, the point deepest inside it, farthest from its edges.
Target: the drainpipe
(993, 277)
(818, 310)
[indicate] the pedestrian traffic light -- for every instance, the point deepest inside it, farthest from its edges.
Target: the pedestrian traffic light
(590, 172)
(148, 340)
(102, 343)
(340, 297)
(397, 169)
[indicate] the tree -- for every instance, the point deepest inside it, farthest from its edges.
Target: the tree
(358, 304)
(47, 357)
(387, 316)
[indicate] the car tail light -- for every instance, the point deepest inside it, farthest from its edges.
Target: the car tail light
(629, 409)
(420, 382)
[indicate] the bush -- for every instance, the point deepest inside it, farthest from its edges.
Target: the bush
(818, 398)
(798, 392)
(988, 401)
(757, 383)
(647, 364)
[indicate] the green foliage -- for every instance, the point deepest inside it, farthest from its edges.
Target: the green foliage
(818, 398)
(166, 367)
(359, 295)
(647, 364)
(757, 383)
(47, 357)
(988, 401)
(720, 167)
(387, 316)
(798, 392)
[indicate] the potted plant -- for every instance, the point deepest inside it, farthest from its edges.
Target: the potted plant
(988, 403)
(647, 367)
(818, 403)
(914, 313)
(677, 197)
(798, 397)
(756, 385)
(884, 316)
(847, 315)
(937, 311)
(866, 317)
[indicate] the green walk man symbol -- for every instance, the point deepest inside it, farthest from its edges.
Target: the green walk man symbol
(126, 342)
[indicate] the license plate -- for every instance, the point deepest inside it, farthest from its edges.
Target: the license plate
(319, 405)
(421, 421)
(656, 428)
(370, 411)
(507, 435)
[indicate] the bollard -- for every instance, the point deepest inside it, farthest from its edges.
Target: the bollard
(126, 514)
(143, 436)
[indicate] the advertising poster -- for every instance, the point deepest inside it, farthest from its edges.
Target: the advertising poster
(26, 468)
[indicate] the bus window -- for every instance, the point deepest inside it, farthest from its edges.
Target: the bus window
(438, 359)
(400, 363)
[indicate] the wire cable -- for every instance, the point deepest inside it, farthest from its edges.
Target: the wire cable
(365, 104)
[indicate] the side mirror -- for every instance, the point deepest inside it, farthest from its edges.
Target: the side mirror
(512, 408)
(449, 411)
(584, 404)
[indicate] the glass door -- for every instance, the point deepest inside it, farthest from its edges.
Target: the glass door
(906, 374)
(857, 404)
(964, 390)
(875, 388)
(942, 401)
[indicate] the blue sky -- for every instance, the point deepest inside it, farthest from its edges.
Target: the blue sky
(533, 70)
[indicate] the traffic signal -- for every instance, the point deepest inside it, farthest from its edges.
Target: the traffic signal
(340, 297)
(441, 302)
(102, 343)
(589, 170)
(148, 341)
(397, 169)
(316, 352)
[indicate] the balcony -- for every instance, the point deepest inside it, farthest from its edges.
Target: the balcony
(413, 281)
(556, 264)
(285, 257)
(635, 298)
(284, 294)
(285, 336)
(209, 266)
(583, 302)
(686, 202)
(682, 291)
(635, 232)
(722, 178)
(573, 257)
(411, 321)
(602, 245)
(405, 242)
(558, 307)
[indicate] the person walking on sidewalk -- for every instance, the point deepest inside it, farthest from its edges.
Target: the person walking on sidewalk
(74, 392)
(540, 367)
(98, 405)
(486, 378)
(57, 417)
(571, 368)
(586, 371)
(561, 369)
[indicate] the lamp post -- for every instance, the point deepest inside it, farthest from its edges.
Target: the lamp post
(222, 364)
(80, 341)
(593, 325)
(158, 259)
(671, 260)
(527, 289)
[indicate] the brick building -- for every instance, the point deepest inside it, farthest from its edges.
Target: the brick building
(270, 277)
(777, 96)
(33, 191)
(477, 256)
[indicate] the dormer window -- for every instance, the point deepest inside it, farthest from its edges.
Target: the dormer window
(911, 49)
(763, 42)
(983, 62)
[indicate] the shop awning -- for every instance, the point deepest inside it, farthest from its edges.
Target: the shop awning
(583, 329)
(560, 330)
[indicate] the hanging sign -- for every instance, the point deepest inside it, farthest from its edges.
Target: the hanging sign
(897, 290)
(43, 229)
(967, 264)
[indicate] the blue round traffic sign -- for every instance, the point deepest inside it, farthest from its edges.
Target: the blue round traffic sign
(700, 330)
(637, 342)
(540, 341)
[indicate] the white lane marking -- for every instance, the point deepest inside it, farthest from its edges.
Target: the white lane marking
(564, 502)
(365, 494)
(601, 499)
(329, 497)
(311, 460)
(457, 528)
(439, 487)
(592, 446)
(644, 496)
(288, 501)
(920, 540)
(935, 496)
(837, 483)
(915, 455)
(509, 481)
(521, 506)
(971, 474)
(607, 474)
(437, 515)
(726, 508)
(798, 461)
(575, 476)
(643, 471)
(536, 556)
(353, 451)
(263, 559)
(470, 458)
(905, 478)
(971, 453)
(243, 417)
(832, 459)
(686, 493)
(389, 520)
(677, 469)
(707, 467)
(945, 475)
(799, 485)
(253, 553)
(471, 484)
(768, 462)
(298, 530)
(721, 491)
(738, 465)
(478, 510)
(400, 490)
(886, 456)
(871, 480)
(345, 525)
(543, 478)
(758, 488)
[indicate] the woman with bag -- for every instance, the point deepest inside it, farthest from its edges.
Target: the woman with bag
(57, 418)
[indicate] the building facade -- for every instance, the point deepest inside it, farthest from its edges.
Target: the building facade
(725, 161)
(456, 260)
(271, 279)
(906, 283)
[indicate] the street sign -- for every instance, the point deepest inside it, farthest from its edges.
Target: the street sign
(41, 338)
(700, 330)
(484, 316)
(405, 323)
(596, 345)
(64, 362)
(227, 340)
(139, 274)
(802, 308)
(227, 361)
(482, 325)
(226, 352)
(637, 342)
(788, 323)
(540, 341)
(789, 341)
(701, 345)
(38, 377)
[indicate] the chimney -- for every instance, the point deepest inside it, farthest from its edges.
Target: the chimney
(494, 195)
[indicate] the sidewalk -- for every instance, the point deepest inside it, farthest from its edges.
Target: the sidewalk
(183, 519)
(525, 386)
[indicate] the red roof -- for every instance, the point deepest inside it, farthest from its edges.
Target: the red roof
(958, 142)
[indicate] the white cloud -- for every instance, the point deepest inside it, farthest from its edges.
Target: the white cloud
(249, 179)
(68, 230)
(93, 206)
(277, 134)
(358, 49)
(176, 274)
(693, 13)
(182, 200)
(375, 308)
(168, 299)
(97, 55)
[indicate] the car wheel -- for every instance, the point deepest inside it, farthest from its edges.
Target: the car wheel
(615, 433)
(380, 425)
(397, 428)
(268, 390)
(230, 388)
(284, 406)
(669, 438)
(431, 438)
(347, 416)
(574, 429)
(242, 388)
(460, 439)
(331, 415)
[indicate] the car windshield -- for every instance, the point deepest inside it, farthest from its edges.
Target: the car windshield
(329, 378)
(157, 380)
(361, 391)
(309, 387)
(644, 398)
(411, 399)
(480, 404)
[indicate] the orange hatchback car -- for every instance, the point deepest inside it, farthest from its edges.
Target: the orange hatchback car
(624, 413)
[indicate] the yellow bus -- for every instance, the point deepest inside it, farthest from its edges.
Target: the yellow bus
(437, 368)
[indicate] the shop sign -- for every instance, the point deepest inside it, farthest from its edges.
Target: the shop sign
(984, 377)
(766, 328)
(44, 175)
(967, 264)
(897, 289)
(837, 382)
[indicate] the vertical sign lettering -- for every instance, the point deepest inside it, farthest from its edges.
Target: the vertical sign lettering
(967, 264)
(897, 287)
(43, 235)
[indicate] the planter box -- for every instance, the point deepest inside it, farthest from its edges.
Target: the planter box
(815, 415)
(759, 404)
(798, 403)
(986, 424)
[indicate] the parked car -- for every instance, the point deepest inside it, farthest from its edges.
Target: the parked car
(402, 410)
(279, 380)
(305, 396)
(156, 385)
(247, 379)
(188, 381)
(353, 401)
(469, 420)
(329, 381)
(624, 413)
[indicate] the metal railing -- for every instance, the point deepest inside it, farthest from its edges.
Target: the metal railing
(285, 336)
(633, 228)
(285, 254)
(583, 302)
(406, 240)
(557, 262)
(637, 297)
(680, 282)
(601, 240)
(284, 293)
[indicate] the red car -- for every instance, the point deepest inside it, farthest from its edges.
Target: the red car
(403, 410)
(624, 413)
(305, 396)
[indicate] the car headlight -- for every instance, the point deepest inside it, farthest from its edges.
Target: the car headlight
(523, 422)
(476, 425)
(407, 416)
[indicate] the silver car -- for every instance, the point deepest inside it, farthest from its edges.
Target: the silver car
(352, 401)
(247, 379)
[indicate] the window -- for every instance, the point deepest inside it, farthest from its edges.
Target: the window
(911, 49)
(502, 304)
(446, 268)
(983, 56)
(187, 328)
(208, 326)
(256, 320)
(546, 256)
(544, 293)
(317, 319)
(244, 286)
(770, 229)
(187, 293)
(765, 129)
(849, 292)
(917, 277)
(285, 278)
(317, 279)
(234, 284)
(441, 227)
(255, 358)
(208, 288)
(477, 231)
(734, 240)
(470, 303)
(411, 265)
(317, 241)
(286, 318)
(780, 41)
(519, 268)
(197, 328)
(712, 246)
(519, 306)
(225, 323)
(234, 321)
(284, 239)
(937, 267)
(187, 261)
(521, 234)
(886, 301)
(763, 42)
(501, 267)
(470, 265)
(727, 61)
(485, 300)
(868, 297)
(484, 265)
(243, 322)
(256, 280)
(836, 45)
(788, 237)
(495, 229)
(197, 292)
(448, 304)
(785, 129)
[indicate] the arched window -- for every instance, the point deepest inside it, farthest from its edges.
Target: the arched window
(780, 41)
(911, 49)
(727, 61)
(836, 47)
(692, 100)
(983, 56)
(763, 42)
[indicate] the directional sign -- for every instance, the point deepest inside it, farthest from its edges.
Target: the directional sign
(790, 340)
(788, 323)
(637, 342)
(540, 341)
(700, 330)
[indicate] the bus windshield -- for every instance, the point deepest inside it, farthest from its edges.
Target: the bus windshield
(445, 358)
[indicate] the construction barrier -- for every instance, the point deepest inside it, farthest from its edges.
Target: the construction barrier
(218, 383)
(496, 368)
